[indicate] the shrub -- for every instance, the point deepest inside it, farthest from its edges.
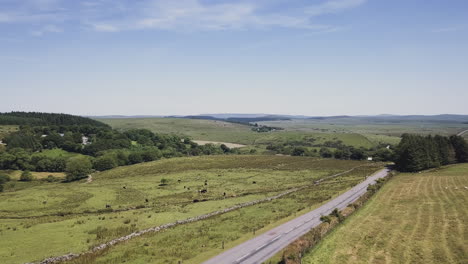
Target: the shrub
(26, 176)
(4, 178)
(164, 182)
(325, 219)
(51, 178)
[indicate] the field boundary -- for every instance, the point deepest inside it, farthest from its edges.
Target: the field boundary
(108, 244)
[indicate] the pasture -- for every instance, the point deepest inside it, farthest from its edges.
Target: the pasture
(392, 129)
(414, 218)
(210, 130)
(73, 217)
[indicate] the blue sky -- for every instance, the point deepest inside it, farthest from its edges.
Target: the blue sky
(316, 57)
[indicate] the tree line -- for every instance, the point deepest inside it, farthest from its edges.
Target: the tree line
(416, 153)
(99, 145)
(40, 119)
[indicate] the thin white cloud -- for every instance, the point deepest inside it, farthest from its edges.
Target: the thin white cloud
(450, 29)
(333, 6)
(47, 29)
(179, 15)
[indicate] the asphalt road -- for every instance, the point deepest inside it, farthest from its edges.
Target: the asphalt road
(264, 246)
(463, 132)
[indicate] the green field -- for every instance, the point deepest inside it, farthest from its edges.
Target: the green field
(235, 133)
(72, 217)
(393, 130)
(414, 218)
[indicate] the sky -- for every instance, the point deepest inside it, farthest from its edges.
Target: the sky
(179, 57)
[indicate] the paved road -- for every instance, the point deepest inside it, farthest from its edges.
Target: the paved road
(461, 133)
(264, 246)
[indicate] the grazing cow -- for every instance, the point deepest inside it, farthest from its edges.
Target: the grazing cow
(254, 182)
(224, 194)
(108, 206)
(125, 187)
(178, 181)
(204, 191)
(146, 200)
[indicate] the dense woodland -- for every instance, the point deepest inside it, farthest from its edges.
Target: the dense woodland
(96, 145)
(416, 153)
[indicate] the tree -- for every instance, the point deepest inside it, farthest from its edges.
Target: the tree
(150, 155)
(298, 151)
(26, 176)
(225, 148)
(4, 178)
(103, 163)
(135, 158)
(357, 154)
(383, 154)
(77, 168)
(326, 153)
(461, 148)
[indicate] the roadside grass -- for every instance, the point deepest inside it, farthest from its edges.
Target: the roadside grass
(415, 218)
(73, 217)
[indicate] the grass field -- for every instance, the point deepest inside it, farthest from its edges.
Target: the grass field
(72, 217)
(210, 130)
(353, 125)
(414, 218)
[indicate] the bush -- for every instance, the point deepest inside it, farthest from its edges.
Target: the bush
(51, 178)
(26, 176)
(164, 182)
(4, 178)
(325, 219)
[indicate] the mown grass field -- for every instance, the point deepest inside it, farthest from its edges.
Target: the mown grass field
(72, 217)
(234, 133)
(414, 218)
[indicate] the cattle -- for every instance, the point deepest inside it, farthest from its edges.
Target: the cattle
(108, 206)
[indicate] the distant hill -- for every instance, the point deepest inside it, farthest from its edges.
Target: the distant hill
(46, 119)
(249, 118)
